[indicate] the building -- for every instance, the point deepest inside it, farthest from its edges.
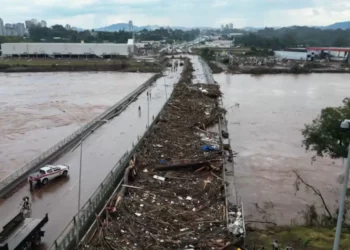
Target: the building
(100, 50)
(9, 30)
(131, 27)
(231, 26)
(34, 21)
(29, 24)
(43, 24)
(2, 28)
(19, 29)
(68, 27)
(222, 27)
(328, 53)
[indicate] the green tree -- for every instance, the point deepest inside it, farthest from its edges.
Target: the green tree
(324, 136)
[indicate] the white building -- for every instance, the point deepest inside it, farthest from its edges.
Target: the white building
(2, 28)
(100, 50)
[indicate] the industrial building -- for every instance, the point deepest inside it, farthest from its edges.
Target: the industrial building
(72, 50)
(328, 53)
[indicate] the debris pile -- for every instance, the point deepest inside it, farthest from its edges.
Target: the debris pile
(176, 200)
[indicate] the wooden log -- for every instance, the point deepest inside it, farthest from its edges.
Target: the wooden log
(190, 165)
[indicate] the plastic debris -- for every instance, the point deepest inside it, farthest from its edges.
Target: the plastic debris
(157, 177)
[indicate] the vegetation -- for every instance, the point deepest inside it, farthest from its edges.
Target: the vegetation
(168, 35)
(47, 65)
(58, 33)
(324, 136)
(295, 36)
(312, 238)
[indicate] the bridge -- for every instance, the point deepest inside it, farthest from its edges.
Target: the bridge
(101, 150)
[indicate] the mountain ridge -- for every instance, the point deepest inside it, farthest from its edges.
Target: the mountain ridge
(125, 26)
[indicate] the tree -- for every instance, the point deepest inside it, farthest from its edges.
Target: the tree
(324, 136)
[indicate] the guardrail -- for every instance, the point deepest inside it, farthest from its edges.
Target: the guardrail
(87, 214)
(12, 180)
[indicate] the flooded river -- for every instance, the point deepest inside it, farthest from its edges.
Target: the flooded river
(40, 109)
(265, 132)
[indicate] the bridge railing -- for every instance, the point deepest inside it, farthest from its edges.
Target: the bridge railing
(81, 132)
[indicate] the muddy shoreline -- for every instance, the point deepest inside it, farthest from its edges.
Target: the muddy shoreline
(292, 70)
(77, 68)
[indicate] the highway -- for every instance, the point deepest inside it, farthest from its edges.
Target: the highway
(101, 151)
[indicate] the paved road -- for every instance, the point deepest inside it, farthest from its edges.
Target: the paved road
(101, 150)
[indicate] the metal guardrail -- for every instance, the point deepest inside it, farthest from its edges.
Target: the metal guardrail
(33, 164)
(87, 215)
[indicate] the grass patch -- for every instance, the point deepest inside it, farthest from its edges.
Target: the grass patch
(299, 238)
(21, 64)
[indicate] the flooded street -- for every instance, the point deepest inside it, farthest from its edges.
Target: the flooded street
(265, 132)
(40, 109)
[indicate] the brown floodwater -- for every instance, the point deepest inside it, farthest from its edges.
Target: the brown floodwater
(40, 109)
(265, 131)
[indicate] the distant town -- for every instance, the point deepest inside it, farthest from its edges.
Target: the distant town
(22, 29)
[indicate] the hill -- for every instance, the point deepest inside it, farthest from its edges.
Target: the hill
(340, 25)
(125, 26)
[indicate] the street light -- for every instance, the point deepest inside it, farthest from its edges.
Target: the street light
(345, 126)
(80, 170)
(166, 94)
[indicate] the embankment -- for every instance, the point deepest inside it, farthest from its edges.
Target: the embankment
(259, 70)
(65, 65)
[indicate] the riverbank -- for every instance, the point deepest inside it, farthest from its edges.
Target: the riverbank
(298, 237)
(17, 65)
(258, 70)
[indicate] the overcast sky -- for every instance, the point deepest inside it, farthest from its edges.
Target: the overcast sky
(190, 13)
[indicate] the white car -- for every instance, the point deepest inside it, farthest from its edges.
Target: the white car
(48, 173)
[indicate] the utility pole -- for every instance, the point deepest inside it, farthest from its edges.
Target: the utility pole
(166, 94)
(148, 110)
(79, 190)
(345, 125)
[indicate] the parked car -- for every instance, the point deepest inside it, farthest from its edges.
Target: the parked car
(47, 173)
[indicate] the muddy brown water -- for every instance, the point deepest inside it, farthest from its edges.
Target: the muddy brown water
(265, 131)
(40, 109)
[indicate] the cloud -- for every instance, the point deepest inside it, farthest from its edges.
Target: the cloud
(191, 13)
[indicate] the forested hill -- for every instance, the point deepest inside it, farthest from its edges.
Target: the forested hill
(295, 36)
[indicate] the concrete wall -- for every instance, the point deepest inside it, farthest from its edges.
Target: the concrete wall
(99, 49)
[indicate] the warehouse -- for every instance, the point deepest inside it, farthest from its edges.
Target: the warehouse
(61, 50)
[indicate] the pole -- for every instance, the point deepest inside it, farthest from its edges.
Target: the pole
(148, 111)
(166, 94)
(342, 202)
(79, 191)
